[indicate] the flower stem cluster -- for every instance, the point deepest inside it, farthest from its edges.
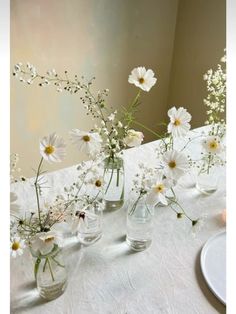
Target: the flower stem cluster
(112, 128)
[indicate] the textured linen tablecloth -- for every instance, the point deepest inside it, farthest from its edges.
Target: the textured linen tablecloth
(107, 277)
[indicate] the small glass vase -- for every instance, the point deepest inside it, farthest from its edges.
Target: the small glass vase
(207, 182)
(114, 183)
(50, 273)
(89, 228)
(139, 224)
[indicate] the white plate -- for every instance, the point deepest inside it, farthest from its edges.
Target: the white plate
(213, 265)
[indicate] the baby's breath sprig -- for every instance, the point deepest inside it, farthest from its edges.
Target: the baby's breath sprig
(15, 171)
(216, 98)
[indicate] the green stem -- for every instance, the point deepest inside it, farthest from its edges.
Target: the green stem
(45, 264)
(50, 268)
(95, 196)
(133, 103)
(135, 204)
(112, 172)
(36, 190)
(172, 201)
(172, 190)
(58, 263)
(192, 139)
(148, 129)
(151, 131)
(208, 164)
(118, 177)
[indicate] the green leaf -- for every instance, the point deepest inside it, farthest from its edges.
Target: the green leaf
(36, 267)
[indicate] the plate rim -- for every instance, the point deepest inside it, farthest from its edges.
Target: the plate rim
(203, 251)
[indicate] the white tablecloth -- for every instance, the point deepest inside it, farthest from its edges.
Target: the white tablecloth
(107, 278)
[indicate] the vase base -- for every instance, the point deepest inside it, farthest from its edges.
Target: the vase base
(51, 292)
(206, 189)
(138, 245)
(113, 205)
(88, 239)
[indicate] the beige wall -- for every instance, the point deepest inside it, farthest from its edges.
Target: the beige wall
(200, 39)
(107, 38)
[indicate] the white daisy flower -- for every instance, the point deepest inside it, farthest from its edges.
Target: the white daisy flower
(175, 164)
(43, 243)
(87, 142)
(212, 144)
(158, 190)
(133, 138)
(179, 121)
(52, 148)
(98, 183)
(142, 78)
(17, 246)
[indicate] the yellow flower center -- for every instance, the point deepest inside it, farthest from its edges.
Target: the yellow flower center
(86, 138)
(49, 239)
(49, 150)
(98, 183)
(172, 164)
(213, 145)
(15, 246)
(177, 122)
(159, 188)
(141, 80)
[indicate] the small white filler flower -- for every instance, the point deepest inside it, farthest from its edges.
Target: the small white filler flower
(52, 148)
(142, 78)
(17, 246)
(87, 142)
(179, 121)
(133, 138)
(175, 164)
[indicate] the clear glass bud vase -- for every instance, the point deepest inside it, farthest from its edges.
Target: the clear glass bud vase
(90, 223)
(114, 183)
(207, 181)
(50, 273)
(139, 224)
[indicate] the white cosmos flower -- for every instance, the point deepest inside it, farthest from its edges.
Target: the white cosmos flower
(179, 121)
(133, 138)
(52, 148)
(212, 144)
(17, 246)
(44, 242)
(87, 142)
(158, 190)
(175, 164)
(142, 78)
